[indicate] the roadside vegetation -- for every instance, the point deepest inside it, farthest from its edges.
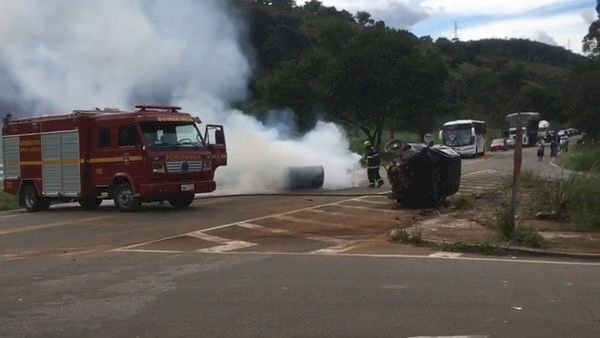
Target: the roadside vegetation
(584, 158)
(7, 202)
(333, 57)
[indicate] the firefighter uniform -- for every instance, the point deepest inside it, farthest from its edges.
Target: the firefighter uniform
(373, 163)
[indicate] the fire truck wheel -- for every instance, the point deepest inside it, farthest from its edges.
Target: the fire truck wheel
(125, 199)
(90, 203)
(32, 201)
(183, 201)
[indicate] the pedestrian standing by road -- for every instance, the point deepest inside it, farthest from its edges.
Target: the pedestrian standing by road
(373, 163)
(553, 148)
(540, 150)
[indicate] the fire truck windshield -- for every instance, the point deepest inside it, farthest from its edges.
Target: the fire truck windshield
(160, 135)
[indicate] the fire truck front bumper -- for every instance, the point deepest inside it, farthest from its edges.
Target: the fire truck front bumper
(154, 191)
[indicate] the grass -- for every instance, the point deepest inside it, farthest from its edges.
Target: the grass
(486, 247)
(412, 235)
(462, 202)
(585, 158)
(528, 237)
(8, 202)
(575, 198)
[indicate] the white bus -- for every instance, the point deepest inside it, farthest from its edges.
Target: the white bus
(466, 137)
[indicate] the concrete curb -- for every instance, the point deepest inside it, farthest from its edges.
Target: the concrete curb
(522, 250)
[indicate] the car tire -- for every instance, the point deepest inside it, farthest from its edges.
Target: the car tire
(125, 199)
(182, 201)
(32, 201)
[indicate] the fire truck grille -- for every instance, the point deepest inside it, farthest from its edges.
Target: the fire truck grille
(185, 167)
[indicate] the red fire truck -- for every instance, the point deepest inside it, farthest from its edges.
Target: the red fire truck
(155, 153)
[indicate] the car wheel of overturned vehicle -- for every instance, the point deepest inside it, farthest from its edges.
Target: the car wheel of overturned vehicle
(182, 201)
(125, 200)
(32, 201)
(90, 203)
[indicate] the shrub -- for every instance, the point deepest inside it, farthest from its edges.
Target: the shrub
(462, 202)
(584, 204)
(505, 223)
(554, 194)
(528, 179)
(7, 202)
(528, 237)
(586, 158)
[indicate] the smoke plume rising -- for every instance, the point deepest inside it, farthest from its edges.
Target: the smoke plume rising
(60, 55)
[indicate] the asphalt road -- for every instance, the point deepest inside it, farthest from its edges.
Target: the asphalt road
(277, 266)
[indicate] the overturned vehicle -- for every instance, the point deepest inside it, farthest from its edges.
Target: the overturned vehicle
(422, 175)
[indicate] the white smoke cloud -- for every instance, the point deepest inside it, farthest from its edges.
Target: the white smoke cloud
(72, 54)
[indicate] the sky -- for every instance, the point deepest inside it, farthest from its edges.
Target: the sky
(555, 22)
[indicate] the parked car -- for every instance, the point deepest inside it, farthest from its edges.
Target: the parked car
(510, 143)
(499, 144)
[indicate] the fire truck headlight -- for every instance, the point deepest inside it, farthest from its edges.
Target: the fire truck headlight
(158, 167)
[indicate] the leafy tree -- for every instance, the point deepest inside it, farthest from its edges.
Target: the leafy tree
(313, 6)
(364, 18)
(591, 42)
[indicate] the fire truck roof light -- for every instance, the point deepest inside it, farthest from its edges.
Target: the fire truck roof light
(143, 107)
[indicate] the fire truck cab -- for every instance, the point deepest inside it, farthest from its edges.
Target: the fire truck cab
(155, 153)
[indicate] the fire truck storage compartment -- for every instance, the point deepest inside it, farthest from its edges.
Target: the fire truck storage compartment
(12, 157)
(60, 164)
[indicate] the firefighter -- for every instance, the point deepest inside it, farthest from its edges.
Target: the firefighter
(373, 162)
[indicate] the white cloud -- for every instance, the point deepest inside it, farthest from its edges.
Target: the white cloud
(569, 27)
(463, 7)
(544, 37)
(487, 7)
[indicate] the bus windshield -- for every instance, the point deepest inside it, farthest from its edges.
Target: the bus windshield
(161, 135)
(458, 135)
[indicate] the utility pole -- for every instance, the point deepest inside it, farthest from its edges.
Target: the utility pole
(456, 38)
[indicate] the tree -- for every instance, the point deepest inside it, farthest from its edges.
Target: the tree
(379, 75)
(313, 6)
(364, 18)
(591, 42)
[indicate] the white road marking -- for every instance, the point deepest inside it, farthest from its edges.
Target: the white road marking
(10, 216)
(51, 225)
(367, 208)
(374, 202)
(443, 254)
(347, 246)
(476, 336)
(395, 256)
(229, 246)
(290, 233)
(315, 222)
(209, 238)
(155, 251)
(235, 223)
(341, 214)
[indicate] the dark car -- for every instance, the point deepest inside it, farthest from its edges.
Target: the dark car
(499, 144)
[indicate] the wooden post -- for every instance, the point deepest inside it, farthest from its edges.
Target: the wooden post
(518, 160)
